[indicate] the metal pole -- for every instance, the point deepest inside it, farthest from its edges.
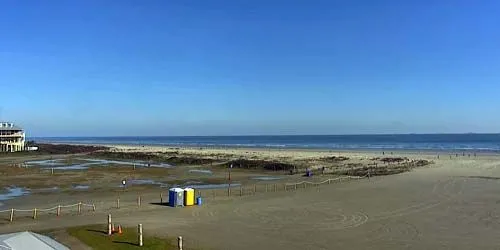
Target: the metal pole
(12, 215)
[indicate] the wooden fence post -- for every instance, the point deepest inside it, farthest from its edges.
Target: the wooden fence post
(34, 214)
(118, 202)
(139, 228)
(161, 198)
(179, 242)
(12, 215)
(52, 171)
(139, 201)
(79, 208)
(229, 191)
(58, 210)
(110, 231)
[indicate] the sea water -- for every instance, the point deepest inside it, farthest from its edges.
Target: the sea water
(433, 142)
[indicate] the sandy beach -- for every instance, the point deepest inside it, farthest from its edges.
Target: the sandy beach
(449, 204)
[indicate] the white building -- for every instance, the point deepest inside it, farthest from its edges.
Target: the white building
(12, 138)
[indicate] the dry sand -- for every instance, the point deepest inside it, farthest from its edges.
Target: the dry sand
(453, 204)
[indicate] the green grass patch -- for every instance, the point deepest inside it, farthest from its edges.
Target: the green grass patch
(95, 237)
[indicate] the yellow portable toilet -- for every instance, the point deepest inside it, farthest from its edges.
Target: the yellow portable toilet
(188, 197)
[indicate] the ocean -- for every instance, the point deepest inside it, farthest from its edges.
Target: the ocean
(413, 142)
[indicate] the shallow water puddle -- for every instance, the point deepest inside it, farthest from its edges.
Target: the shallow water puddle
(266, 178)
(13, 192)
(57, 164)
(201, 171)
(81, 187)
(53, 162)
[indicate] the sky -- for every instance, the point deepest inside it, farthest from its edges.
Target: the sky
(198, 67)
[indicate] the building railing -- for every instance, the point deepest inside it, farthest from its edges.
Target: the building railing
(12, 142)
(12, 135)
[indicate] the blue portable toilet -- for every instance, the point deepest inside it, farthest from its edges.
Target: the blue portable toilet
(176, 197)
(199, 202)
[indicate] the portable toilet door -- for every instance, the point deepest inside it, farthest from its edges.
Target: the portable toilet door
(176, 197)
(179, 201)
(172, 195)
(188, 197)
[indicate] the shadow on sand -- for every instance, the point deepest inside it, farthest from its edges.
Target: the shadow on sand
(165, 204)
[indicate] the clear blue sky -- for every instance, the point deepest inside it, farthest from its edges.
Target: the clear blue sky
(181, 67)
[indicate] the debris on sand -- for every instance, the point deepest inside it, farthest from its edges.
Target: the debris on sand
(390, 159)
(255, 164)
(335, 159)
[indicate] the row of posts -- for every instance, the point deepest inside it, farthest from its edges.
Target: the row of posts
(139, 198)
(58, 211)
(274, 188)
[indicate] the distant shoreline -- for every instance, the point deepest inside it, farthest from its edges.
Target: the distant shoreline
(447, 143)
(337, 150)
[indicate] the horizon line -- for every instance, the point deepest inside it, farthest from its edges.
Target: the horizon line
(274, 135)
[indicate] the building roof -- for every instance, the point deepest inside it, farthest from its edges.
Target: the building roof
(9, 127)
(29, 241)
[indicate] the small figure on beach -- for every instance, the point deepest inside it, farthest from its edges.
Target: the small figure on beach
(383, 153)
(438, 156)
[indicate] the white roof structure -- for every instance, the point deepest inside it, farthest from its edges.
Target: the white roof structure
(29, 241)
